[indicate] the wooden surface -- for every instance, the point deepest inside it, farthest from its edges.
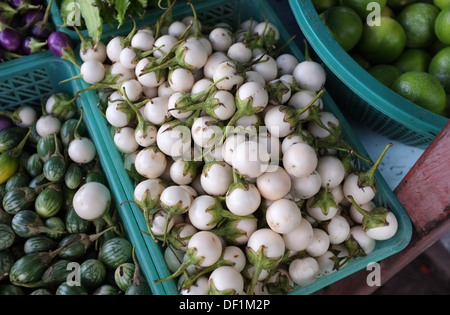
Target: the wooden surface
(425, 194)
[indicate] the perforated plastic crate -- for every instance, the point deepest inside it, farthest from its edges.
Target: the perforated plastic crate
(31, 80)
(358, 94)
(216, 11)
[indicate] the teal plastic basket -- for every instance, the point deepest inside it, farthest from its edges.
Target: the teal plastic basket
(30, 80)
(212, 12)
(358, 94)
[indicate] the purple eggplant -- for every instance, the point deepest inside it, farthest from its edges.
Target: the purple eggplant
(7, 13)
(16, 24)
(4, 19)
(31, 45)
(5, 123)
(32, 17)
(21, 5)
(9, 39)
(24, 27)
(61, 45)
(42, 29)
(16, 3)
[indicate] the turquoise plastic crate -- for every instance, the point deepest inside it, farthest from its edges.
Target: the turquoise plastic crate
(358, 94)
(28, 82)
(215, 11)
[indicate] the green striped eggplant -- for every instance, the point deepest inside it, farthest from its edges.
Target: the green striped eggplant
(21, 198)
(68, 289)
(39, 243)
(115, 252)
(9, 160)
(7, 259)
(73, 176)
(123, 275)
(78, 244)
(7, 236)
(49, 201)
(27, 223)
(46, 146)
(75, 224)
(106, 289)
(92, 273)
(10, 289)
(29, 268)
(11, 137)
(34, 165)
(19, 179)
(67, 131)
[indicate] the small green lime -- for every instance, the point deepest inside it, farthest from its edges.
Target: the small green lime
(441, 4)
(360, 59)
(382, 43)
(418, 21)
(442, 26)
(447, 109)
(322, 5)
(387, 11)
(413, 59)
(399, 4)
(440, 68)
(423, 89)
(344, 24)
(436, 47)
(386, 74)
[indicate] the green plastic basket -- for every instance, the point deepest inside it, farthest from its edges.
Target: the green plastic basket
(215, 11)
(32, 79)
(358, 94)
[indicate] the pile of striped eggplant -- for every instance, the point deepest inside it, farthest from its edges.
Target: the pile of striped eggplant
(49, 242)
